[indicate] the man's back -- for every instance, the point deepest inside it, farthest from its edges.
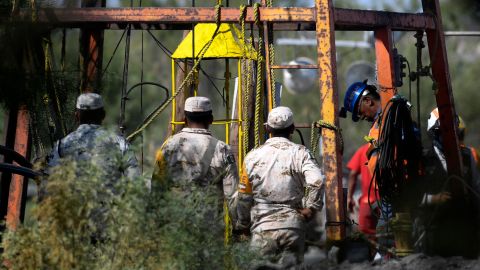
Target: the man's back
(195, 156)
(97, 146)
(278, 172)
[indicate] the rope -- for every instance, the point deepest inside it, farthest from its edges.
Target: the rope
(187, 79)
(33, 6)
(63, 50)
(48, 69)
(246, 71)
(315, 134)
(272, 74)
(141, 103)
(258, 92)
(113, 54)
(256, 13)
(125, 80)
(271, 58)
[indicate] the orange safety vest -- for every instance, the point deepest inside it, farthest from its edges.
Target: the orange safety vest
(373, 134)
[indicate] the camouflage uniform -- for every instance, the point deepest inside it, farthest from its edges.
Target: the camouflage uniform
(91, 145)
(273, 180)
(94, 144)
(193, 157)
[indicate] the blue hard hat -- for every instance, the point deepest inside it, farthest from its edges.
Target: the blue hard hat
(352, 98)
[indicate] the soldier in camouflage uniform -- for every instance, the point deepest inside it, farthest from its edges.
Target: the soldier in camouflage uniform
(94, 144)
(93, 147)
(194, 158)
(272, 197)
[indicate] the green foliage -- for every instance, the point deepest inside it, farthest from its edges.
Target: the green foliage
(82, 225)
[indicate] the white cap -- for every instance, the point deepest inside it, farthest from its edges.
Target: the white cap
(89, 101)
(280, 118)
(198, 104)
(433, 121)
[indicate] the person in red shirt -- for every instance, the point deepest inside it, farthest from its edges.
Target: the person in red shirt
(368, 217)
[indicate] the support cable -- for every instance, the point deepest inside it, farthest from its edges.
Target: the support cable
(169, 53)
(125, 80)
(141, 102)
(187, 79)
(113, 54)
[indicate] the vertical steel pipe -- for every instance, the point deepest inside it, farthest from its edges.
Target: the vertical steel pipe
(332, 156)
(444, 95)
(18, 184)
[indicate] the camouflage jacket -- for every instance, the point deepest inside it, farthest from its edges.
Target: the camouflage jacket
(194, 156)
(273, 186)
(97, 146)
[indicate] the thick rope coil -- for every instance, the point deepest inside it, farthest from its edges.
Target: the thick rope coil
(187, 79)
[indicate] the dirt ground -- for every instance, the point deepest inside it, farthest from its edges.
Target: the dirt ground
(412, 262)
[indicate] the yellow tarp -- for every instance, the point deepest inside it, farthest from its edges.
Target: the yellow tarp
(227, 43)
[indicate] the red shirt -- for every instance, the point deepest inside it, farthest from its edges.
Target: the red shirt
(358, 163)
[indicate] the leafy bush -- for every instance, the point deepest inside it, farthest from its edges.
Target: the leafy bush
(81, 225)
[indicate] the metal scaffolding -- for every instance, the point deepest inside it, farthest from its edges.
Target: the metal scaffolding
(324, 18)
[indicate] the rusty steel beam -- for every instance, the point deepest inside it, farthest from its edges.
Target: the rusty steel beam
(91, 53)
(332, 156)
(444, 96)
(294, 66)
(295, 18)
(353, 19)
(385, 75)
(18, 184)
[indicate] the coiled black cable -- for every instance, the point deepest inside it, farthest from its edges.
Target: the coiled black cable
(399, 155)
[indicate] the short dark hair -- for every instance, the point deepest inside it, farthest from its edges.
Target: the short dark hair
(372, 92)
(91, 116)
(284, 132)
(199, 117)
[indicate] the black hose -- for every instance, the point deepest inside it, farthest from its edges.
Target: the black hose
(301, 136)
(399, 155)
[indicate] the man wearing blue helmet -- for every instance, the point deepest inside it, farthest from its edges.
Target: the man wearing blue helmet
(363, 101)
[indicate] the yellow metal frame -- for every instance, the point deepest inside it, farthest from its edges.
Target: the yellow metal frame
(227, 121)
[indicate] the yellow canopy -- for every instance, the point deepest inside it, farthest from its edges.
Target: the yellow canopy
(227, 43)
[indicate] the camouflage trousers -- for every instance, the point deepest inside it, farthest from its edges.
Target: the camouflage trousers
(282, 246)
